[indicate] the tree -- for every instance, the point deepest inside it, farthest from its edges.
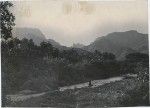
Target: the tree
(108, 56)
(138, 57)
(7, 20)
(97, 57)
(71, 55)
(55, 53)
(46, 49)
(31, 44)
(24, 44)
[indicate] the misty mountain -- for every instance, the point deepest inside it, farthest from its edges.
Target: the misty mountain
(120, 43)
(36, 35)
(29, 33)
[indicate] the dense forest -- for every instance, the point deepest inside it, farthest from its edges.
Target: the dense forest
(26, 64)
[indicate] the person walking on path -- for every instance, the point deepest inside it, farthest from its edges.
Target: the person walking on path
(90, 83)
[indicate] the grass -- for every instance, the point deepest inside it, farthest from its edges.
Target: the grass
(128, 92)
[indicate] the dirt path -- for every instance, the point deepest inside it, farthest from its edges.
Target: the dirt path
(95, 83)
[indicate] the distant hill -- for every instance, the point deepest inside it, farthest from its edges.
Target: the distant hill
(120, 43)
(78, 45)
(36, 35)
(29, 33)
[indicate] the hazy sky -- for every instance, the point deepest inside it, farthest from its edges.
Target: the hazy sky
(72, 21)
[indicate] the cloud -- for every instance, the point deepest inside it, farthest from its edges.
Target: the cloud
(74, 21)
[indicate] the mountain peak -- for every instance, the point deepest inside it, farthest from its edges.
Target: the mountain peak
(118, 43)
(29, 33)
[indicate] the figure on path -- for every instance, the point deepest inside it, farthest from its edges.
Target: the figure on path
(90, 83)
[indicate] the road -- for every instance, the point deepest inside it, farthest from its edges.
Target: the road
(95, 83)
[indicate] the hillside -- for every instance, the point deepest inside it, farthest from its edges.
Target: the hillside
(56, 44)
(36, 35)
(29, 33)
(120, 43)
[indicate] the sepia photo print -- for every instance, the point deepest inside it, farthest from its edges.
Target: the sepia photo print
(74, 53)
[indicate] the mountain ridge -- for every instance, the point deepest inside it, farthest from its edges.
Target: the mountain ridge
(120, 42)
(36, 35)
